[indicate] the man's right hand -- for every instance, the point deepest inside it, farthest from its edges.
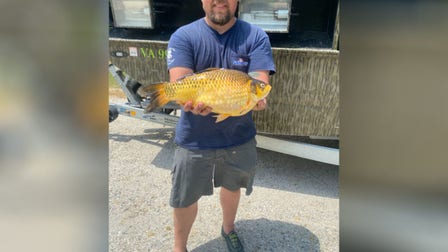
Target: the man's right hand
(199, 109)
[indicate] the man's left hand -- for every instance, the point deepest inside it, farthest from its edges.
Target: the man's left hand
(261, 105)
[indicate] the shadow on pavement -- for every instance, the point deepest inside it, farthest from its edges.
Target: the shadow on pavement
(275, 170)
(290, 173)
(158, 137)
(262, 235)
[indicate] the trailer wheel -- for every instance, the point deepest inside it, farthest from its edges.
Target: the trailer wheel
(113, 113)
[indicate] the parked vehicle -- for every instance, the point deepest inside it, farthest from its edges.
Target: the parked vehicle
(302, 118)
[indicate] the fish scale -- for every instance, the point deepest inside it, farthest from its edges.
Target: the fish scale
(228, 92)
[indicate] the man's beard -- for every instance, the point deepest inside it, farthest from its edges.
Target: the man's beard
(220, 19)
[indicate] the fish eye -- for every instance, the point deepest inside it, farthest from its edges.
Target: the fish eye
(262, 85)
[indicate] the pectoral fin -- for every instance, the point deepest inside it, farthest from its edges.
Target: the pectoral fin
(249, 106)
(221, 117)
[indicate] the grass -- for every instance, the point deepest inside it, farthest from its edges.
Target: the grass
(114, 88)
(112, 82)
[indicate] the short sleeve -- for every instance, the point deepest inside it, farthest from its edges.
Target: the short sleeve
(179, 51)
(261, 55)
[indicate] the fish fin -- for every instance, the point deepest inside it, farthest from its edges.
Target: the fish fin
(145, 89)
(249, 106)
(183, 77)
(221, 117)
(190, 74)
(157, 95)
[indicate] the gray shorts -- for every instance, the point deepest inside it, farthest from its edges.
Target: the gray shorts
(196, 172)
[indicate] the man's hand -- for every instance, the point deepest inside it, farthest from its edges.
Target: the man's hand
(200, 108)
(261, 105)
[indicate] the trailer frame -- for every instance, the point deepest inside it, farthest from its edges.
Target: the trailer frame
(167, 116)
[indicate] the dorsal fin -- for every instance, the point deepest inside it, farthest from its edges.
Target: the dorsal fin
(205, 70)
(183, 77)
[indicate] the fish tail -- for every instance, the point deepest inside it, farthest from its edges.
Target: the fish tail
(157, 95)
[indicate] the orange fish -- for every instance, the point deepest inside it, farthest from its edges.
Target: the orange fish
(228, 92)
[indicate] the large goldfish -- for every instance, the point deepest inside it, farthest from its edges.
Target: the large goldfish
(228, 92)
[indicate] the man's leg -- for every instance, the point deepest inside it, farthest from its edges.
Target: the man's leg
(192, 177)
(183, 221)
(229, 204)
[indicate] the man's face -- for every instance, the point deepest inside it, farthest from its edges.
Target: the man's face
(219, 12)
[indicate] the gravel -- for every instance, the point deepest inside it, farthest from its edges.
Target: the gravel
(294, 205)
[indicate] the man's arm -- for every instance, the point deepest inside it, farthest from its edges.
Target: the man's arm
(263, 76)
(200, 109)
(178, 72)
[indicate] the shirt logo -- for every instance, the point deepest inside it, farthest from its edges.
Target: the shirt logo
(169, 55)
(240, 62)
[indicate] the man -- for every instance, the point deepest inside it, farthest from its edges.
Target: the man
(210, 154)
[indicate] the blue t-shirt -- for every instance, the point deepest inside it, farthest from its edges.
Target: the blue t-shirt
(197, 46)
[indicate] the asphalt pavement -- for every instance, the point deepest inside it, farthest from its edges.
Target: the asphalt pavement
(294, 205)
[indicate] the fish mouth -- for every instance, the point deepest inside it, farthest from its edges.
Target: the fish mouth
(266, 91)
